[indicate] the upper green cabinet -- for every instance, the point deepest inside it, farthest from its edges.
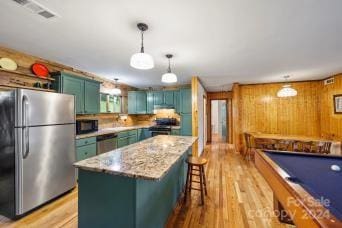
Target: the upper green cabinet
(86, 92)
(185, 101)
(169, 98)
(137, 102)
(110, 103)
(73, 86)
(158, 97)
(91, 97)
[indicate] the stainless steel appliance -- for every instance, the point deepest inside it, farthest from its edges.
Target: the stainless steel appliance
(163, 126)
(37, 149)
(106, 143)
(86, 126)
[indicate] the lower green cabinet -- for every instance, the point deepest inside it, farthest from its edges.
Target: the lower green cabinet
(126, 138)
(122, 142)
(132, 139)
(85, 148)
(175, 131)
(144, 133)
(186, 124)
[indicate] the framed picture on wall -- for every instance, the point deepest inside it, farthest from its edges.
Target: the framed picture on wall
(338, 104)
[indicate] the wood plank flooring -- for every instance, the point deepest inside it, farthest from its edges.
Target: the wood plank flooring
(238, 196)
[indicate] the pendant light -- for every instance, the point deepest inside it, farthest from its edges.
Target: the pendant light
(141, 60)
(287, 90)
(169, 77)
(116, 90)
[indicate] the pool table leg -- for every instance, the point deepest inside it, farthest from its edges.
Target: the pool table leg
(280, 212)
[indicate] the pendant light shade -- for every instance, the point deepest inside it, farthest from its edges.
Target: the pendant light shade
(169, 77)
(141, 60)
(287, 90)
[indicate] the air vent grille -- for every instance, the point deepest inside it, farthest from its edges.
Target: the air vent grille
(37, 8)
(329, 81)
(21, 2)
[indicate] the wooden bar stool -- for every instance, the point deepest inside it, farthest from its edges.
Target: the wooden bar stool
(196, 164)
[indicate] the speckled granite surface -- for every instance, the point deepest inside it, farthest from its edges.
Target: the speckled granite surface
(148, 159)
(111, 130)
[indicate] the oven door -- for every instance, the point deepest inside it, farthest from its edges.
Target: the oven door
(155, 133)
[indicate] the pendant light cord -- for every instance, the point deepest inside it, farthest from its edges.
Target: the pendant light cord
(169, 68)
(142, 42)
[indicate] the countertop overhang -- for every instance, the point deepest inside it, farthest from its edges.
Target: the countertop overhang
(149, 159)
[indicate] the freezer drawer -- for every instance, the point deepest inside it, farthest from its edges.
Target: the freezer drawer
(44, 170)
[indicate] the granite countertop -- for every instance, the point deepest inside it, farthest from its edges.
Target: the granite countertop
(116, 130)
(149, 159)
(111, 130)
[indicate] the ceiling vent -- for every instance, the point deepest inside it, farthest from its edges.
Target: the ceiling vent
(329, 81)
(36, 8)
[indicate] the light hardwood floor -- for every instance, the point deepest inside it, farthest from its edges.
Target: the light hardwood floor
(238, 196)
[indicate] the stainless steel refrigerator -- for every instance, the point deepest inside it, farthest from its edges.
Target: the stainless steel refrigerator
(37, 149)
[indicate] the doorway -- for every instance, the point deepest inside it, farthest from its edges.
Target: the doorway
(219, 127)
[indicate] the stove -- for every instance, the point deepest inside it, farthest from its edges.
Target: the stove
(163, 126)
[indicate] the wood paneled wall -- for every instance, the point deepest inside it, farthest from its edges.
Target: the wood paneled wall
(310, 113)
(331, 123)
(262, 111)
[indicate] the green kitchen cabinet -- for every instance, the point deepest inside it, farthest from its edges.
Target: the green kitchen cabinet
(186, 124)
(141, 102)
(132, 139)
(131, 102)
(144, 133)
(185, 101)
(176, 97)
(86, 92)
(137, 102)
(169, 98)
(73, 86)
(158, 97)
(175, 131)
(103, 102)
(116, 104)
(122, 142)
(84, 152)
(110, 103)
(150, 102)
(91, 97)
(85, 148)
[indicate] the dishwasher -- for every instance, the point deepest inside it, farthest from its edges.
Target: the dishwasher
(106, 143)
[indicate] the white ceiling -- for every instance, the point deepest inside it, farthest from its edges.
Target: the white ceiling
(221, 41)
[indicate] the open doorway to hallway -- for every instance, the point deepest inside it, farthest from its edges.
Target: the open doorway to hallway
(219, 126)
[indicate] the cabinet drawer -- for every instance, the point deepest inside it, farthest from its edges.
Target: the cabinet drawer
(132, 139)
(132, 132)
(122, 142)
(84, 152)
(175, 131)
(85, 141)
(122, 134)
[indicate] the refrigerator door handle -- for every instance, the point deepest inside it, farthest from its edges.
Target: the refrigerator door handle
(26, 137)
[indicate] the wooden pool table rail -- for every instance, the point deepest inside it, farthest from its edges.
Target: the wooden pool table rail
(304, 213)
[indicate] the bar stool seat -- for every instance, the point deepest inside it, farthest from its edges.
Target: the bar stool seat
(196, 168)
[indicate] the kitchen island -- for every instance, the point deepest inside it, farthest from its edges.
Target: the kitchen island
(134, 186)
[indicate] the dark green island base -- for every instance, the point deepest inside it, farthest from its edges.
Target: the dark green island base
(107, 200)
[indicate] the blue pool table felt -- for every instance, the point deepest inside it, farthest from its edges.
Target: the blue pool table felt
(314, 174)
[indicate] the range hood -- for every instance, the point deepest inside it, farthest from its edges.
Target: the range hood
(163, 106)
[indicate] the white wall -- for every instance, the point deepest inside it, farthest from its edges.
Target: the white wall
(214, 117)
(200, 101)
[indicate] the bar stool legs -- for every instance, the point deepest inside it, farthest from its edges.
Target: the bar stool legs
(193, 163)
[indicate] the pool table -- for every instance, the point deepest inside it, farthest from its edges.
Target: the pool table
(306, 190)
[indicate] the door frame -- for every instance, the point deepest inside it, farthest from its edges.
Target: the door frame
(220, 96)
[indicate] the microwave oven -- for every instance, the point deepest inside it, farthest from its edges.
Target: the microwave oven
(86, 126)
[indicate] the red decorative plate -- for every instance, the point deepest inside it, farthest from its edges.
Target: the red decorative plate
(40, 70)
